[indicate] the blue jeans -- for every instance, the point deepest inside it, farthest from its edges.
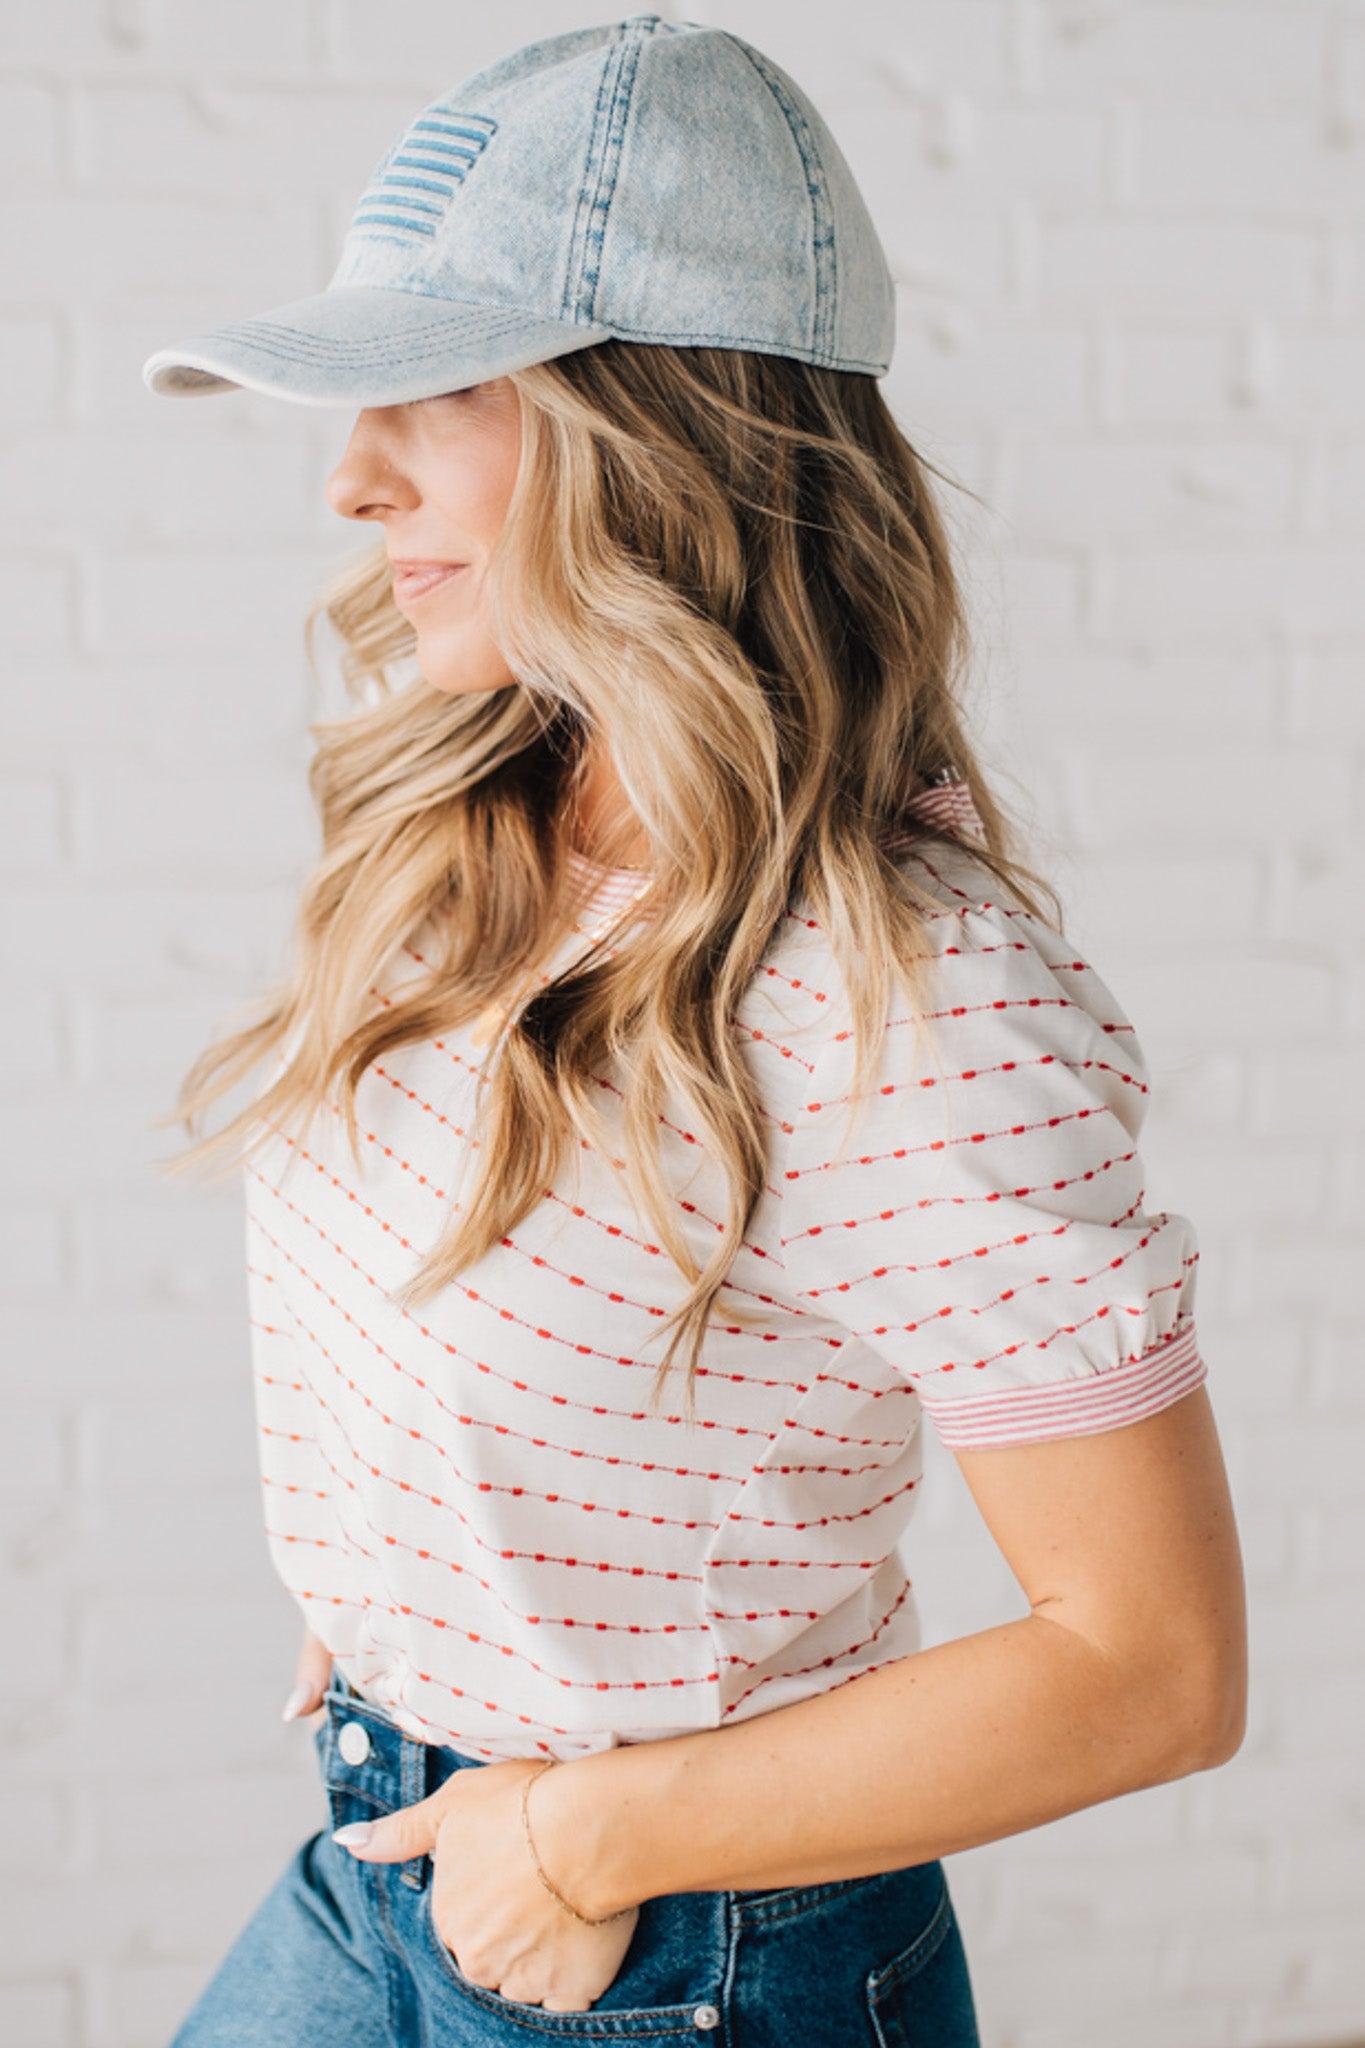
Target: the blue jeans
(346, 1954)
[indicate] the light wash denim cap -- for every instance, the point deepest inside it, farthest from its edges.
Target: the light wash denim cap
(648, 180)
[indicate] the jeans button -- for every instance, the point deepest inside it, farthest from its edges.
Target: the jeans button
(353, 1740)
(706, 2016)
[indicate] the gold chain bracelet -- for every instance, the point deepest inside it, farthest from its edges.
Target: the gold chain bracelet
(526, 1785)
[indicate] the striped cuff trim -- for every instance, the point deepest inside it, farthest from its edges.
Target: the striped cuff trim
(1079, 1407)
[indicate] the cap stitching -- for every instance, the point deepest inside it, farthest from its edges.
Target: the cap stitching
(387, 356)
(509, 315)
(307, 349)
(823, 251)
(616, 85)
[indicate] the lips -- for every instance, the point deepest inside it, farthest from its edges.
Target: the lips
(415, 579)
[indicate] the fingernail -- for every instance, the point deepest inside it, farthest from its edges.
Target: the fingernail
(354, 1835)
(296, 1702)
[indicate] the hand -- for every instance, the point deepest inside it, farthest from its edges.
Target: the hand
(504, 1929)
(311, 1674)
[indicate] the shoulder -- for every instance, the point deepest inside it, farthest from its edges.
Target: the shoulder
(996, 978)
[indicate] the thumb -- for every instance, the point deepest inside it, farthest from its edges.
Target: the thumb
(394, 1837)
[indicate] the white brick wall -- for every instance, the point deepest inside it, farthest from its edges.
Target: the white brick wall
(1130, 244)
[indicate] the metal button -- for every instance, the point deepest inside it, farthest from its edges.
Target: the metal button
(706, 2016)
(353, 1740)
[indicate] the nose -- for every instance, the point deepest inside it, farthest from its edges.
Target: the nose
(368, 482)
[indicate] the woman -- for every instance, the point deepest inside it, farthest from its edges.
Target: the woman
(669, 867)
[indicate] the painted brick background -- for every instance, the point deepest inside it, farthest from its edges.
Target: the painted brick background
(1129, 239)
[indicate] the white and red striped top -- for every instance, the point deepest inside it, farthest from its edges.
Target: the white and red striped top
(474, 1506)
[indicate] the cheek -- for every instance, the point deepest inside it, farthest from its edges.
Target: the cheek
(483, 508)
(469, 481)
(497, 459)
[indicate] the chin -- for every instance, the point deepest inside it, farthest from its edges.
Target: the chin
(460, 675)
(462, 682)
(458, 686)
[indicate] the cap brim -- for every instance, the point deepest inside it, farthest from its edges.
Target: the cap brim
(357, 345)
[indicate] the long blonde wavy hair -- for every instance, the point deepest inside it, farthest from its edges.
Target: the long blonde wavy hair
(726, 570)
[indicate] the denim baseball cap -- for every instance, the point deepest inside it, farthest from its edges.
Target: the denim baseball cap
(645, 180)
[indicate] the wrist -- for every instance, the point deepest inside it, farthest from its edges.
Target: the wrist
(578, 1823)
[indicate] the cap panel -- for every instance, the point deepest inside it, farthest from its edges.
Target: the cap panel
(683, 258)
(865, 322)
(855, 319)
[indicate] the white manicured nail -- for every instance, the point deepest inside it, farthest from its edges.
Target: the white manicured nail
(354, 1835)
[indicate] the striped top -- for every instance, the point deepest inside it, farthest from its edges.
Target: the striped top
(474, 1505)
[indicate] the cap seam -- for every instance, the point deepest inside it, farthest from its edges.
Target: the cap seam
(579, 301)
(821, 248)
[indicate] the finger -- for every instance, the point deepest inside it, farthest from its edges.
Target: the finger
(311, 1674)
(394, 1837)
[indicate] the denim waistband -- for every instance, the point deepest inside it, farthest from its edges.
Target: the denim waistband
(439, 1758)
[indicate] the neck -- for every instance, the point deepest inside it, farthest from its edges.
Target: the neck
(598, 820)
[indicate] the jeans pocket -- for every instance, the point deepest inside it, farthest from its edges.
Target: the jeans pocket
(922, 1993)
(605, 2020)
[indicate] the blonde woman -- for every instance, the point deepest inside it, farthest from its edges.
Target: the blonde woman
(679, 1091)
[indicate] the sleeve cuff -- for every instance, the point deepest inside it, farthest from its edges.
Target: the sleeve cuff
(1076, 1407)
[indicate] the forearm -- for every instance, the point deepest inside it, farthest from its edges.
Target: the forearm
(957, 1745)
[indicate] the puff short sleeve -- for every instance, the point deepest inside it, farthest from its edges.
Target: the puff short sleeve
(986, 1229)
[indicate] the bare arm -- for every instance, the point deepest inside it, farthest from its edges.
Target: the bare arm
(1130, 1670)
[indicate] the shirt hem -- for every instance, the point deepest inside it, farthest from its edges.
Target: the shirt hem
(1102, 1400)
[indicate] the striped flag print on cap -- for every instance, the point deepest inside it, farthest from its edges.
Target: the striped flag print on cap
(418, 177)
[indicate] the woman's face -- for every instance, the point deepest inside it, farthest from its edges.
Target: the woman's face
(437, 473)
